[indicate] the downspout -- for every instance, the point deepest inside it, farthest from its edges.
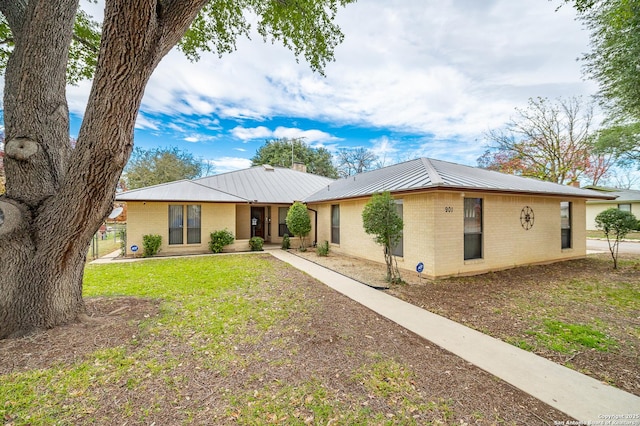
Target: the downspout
(315, 241)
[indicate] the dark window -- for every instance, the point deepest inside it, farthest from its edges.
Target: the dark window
(565, 223)
(176, 221)
(398, 249)
(472, 228)
(176, 224)
(625, 207)
(193, 224)
(282, 222)
(335, 224)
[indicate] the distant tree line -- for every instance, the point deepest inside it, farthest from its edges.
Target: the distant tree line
(556, 140)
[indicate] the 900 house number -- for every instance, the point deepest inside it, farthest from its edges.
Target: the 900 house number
(448, 209)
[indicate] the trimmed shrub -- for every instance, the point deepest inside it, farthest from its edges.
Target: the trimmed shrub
(256, 243)
(286, 242)
(220, 239)
(299, 222)
(323, 249)
(151, 245)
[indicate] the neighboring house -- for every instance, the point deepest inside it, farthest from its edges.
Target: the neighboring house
(250, 202)
(458, 220)
(627, 200)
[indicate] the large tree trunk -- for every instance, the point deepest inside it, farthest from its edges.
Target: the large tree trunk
(57, 197)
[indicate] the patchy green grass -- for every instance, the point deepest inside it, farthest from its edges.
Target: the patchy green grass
(599, 234)
(392, 381)
(582, 311)
(567, 338)
(226, 323)
(103, 247)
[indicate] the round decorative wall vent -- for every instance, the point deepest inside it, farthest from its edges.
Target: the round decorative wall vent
(526, 217)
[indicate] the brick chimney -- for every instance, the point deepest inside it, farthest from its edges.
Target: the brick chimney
(300, 167)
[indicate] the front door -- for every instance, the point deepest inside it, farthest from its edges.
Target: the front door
(257, 222)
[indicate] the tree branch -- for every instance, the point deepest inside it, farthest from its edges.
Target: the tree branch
(175, 17)
(14, 11)
(86, 43)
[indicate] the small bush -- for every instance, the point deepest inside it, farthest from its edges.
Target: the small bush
(220, 239)
(286, 242)
(256, 243)
(151, 245)
(323, 249)
(299, 222)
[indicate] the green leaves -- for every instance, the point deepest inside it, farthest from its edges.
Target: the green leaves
(220, 239)
(613, 60)
(615, 224)
(160, 165)
(278, 152)
(83, 52)
(215, 29)
(380, 218)
(299, 222)
(304, 26)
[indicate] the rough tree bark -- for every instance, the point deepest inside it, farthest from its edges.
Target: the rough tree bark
(57, 197)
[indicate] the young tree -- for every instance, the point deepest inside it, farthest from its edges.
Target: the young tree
(615, 224)
(551, 141)
(380, 218)
(355, 160)
(299, 222)
(160, 165)
(284, 152)
(57, 196)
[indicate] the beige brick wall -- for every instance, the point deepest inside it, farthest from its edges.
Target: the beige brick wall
(434, 232)
(593, 209)
(243, 222)
(153, 218)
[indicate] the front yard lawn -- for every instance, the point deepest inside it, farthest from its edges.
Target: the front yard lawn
(242, 340)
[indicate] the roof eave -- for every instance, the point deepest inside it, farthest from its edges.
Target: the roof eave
(445, 187)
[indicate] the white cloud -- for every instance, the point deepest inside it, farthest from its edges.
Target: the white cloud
(142, 122)
(229, 164)
(312, 136)
(246, 134)
(383, 148)
(445, 71)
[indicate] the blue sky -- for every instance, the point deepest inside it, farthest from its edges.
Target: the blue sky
(412, 78)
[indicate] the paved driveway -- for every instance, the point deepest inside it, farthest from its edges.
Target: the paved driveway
(625, 247)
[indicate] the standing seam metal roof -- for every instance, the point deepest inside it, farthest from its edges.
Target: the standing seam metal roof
(425, 173)
(259, 184)
(624, 195)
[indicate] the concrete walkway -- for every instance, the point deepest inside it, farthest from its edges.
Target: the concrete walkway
(579, 396)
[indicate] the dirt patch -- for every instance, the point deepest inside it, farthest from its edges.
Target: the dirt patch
(511, 304)
(332, 343)
(113, 322)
